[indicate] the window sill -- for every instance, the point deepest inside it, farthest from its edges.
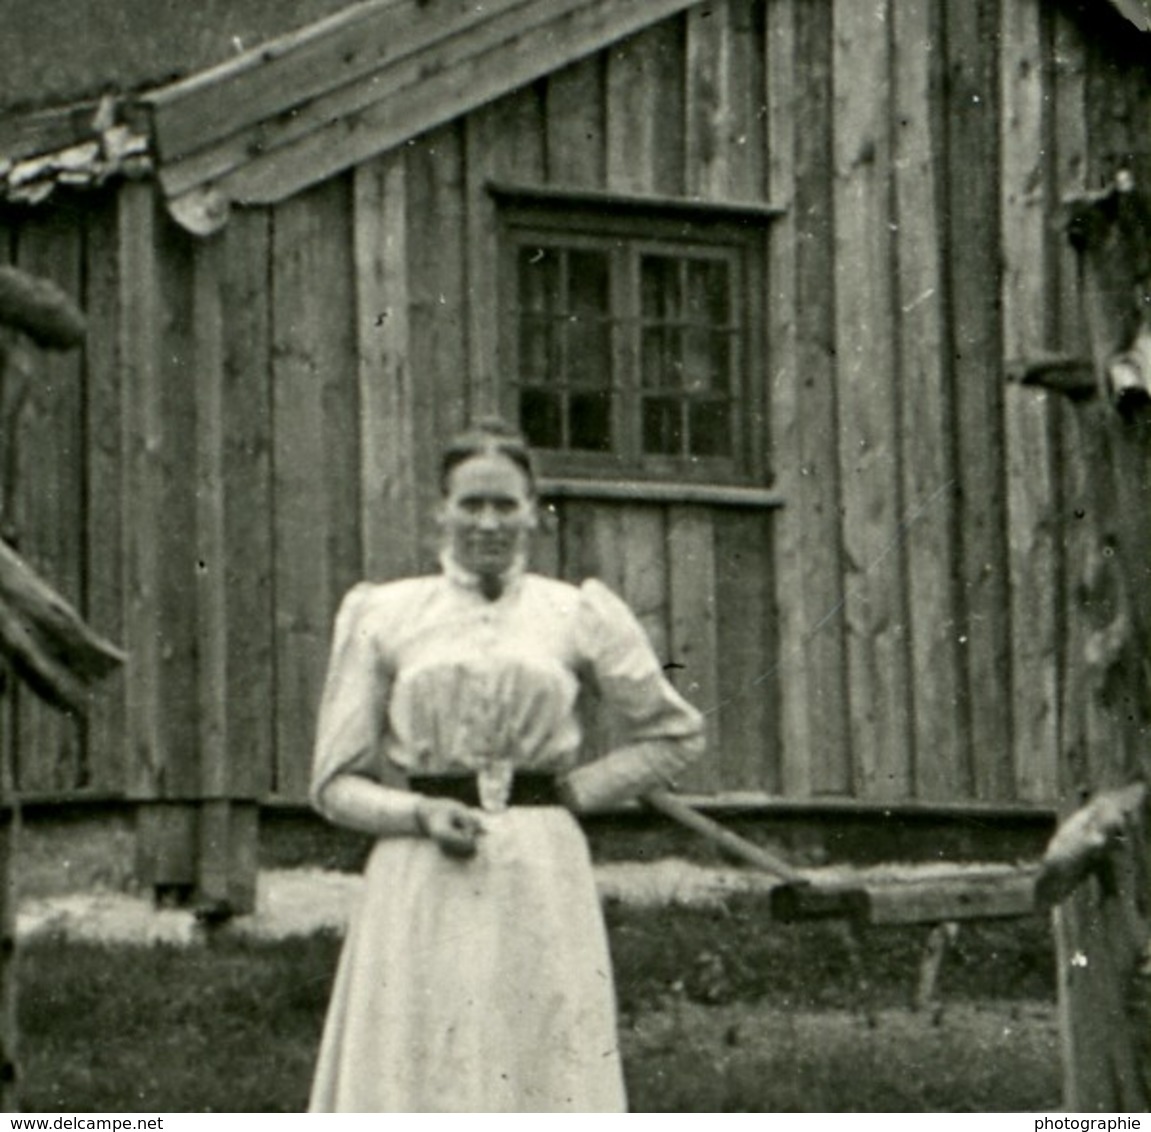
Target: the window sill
(660, 491)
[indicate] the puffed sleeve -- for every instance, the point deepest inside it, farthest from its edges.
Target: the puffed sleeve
(352, 715)
(662, 733)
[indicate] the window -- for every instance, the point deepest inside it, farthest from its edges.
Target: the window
(630, 342)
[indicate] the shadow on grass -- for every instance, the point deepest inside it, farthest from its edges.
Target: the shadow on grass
(720, 1010)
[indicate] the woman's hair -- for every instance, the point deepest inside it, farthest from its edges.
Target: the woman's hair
(488, 436)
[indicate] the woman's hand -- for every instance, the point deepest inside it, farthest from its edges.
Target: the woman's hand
(454, 827)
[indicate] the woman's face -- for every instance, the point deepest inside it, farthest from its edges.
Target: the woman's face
(487, 513)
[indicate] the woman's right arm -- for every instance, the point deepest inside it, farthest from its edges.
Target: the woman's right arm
(353, 712)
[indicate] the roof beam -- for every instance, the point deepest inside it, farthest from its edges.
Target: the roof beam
(309, 121)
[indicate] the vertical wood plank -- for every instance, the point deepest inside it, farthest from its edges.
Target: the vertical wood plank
(973, 168)
(49, 497)
(177, 585)
(869, 448)
(505, 140)
(789, 405)
(1032, 506)
(747, 755)
(105, 486)
(575, 125)
(748, 136)
(338, 358)
(316, 458)
(1068, 138)
(579, 560)
(715, 152)
(692, 643)
(139, 348)
(579, 548)
(925, 406)
(608, 553)
(226, 847)
(645, 111)
(724, 72)
(643, 540)
(436, 314)
(818, 501)
(210, 535)
(645, 142)
(387, 442)
(248, 517)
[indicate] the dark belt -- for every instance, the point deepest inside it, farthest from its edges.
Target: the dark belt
(528, 788)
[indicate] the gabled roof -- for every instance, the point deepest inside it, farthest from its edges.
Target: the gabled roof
(306, 106)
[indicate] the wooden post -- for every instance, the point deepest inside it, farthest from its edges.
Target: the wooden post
(1097, 866)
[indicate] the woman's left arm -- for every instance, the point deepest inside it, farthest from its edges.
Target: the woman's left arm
(662, 733)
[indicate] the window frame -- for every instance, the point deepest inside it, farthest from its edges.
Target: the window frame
(628, 228)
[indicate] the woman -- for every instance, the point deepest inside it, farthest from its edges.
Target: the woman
(475, 976)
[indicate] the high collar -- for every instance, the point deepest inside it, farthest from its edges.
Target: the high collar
(467, 579)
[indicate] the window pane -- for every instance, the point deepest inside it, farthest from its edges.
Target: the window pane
(710, 428)
(539, 280)
(661, 364)
(588, 290)
(707, 361)
(708, 292)
(536, 352)
(540, 418)
(589, 352)
(659, 284)
(662, 426)
(589, 421)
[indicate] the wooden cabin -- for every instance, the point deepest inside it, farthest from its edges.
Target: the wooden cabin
(752, 274)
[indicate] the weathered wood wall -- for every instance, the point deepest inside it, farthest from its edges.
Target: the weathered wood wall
(254, 423)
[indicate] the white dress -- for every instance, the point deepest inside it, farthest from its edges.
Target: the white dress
(484, 985)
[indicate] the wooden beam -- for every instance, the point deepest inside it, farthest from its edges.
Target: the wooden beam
(680, 811)
(1084, 839)
(300, 67)
(45, 640)
(931, 900)
(46, 131)
(278, 156)
(40, 309)
(721, 208)
(943, 900)
(661, 491)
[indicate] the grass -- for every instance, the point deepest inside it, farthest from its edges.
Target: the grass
(718, 1012)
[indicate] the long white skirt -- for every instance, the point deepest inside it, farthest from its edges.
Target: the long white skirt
(475, 986)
